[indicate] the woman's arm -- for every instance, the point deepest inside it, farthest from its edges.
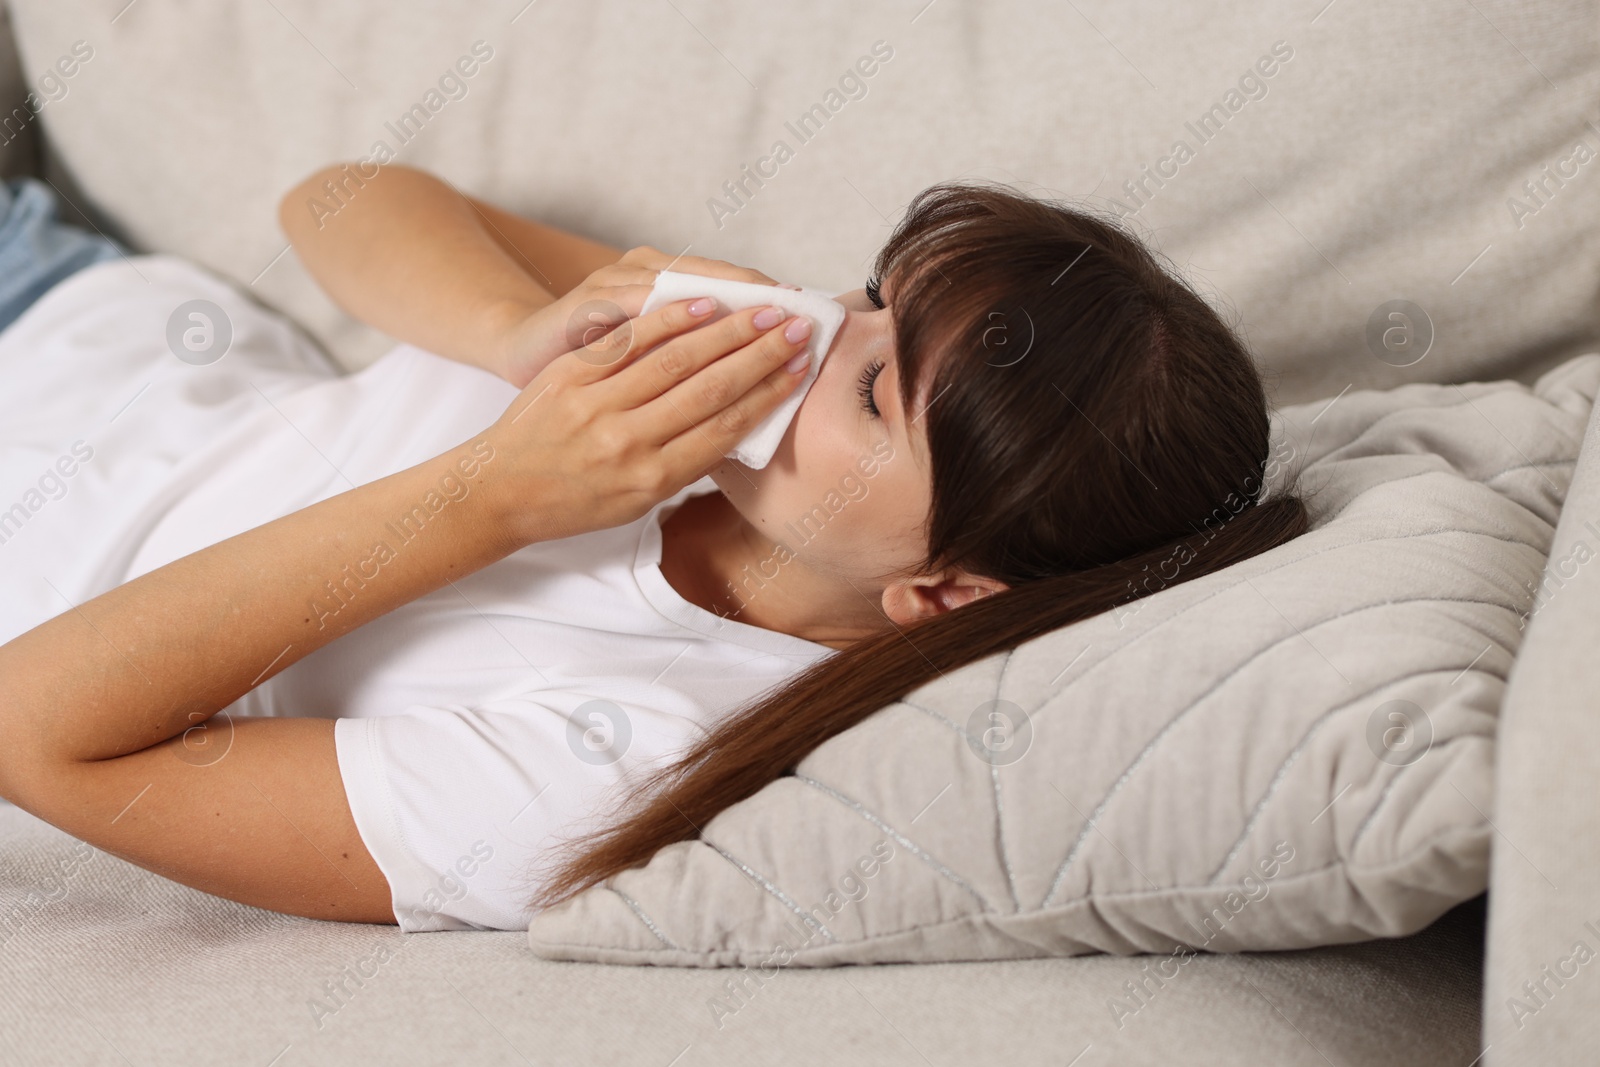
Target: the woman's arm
(410, 255)
(558, 259)
(106, 710)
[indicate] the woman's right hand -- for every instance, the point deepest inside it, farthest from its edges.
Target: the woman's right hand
(604, 433)
(607, 299)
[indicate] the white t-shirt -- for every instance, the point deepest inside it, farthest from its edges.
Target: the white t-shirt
(477, 725)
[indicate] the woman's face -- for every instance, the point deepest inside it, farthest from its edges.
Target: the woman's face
(847, 491)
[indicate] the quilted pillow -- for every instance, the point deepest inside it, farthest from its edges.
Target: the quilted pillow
(1293, 751)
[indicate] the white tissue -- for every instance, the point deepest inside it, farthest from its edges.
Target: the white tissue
(825, 313)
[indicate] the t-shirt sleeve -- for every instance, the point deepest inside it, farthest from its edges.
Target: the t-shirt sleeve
(461, 806)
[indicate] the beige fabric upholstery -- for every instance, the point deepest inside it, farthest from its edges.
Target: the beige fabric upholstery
(109, 964)
(1378, 165)
(1540, 1005)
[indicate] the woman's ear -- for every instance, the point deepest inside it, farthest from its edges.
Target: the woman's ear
(913, 599)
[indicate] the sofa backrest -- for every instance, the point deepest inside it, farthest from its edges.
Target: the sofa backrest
(1355, 184)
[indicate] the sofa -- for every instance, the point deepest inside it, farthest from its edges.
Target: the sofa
(1427, 153)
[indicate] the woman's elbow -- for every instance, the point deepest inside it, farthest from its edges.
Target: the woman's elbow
(326, 190)
(299, 207)
(295, 204)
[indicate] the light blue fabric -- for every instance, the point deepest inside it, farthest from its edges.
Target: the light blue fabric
(36, 249)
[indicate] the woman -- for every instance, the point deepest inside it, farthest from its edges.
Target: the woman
(1020, 418)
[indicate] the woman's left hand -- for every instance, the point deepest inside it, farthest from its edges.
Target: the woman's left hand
(606, 299)
(604, 433)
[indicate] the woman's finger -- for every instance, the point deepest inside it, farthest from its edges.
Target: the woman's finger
(709, 411)
(596, 311)
(701, 447)
(602, 322)
(631, 279)
(636, 336)
(678, 359)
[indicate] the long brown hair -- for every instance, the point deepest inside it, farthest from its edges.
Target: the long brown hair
(1098, 433)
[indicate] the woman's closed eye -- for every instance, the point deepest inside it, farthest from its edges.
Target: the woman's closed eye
(869, 374)
(873, 294)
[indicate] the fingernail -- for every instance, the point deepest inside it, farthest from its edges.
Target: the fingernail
(702, 306)
(796, 331)
(768, 317)
(798, 363)
(786, 285)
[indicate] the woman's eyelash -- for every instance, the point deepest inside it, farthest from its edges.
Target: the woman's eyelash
(869, 374)
(872, 293)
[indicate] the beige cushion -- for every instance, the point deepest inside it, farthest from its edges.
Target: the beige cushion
(1380, 164)
(103, 957)
(1295, 751)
